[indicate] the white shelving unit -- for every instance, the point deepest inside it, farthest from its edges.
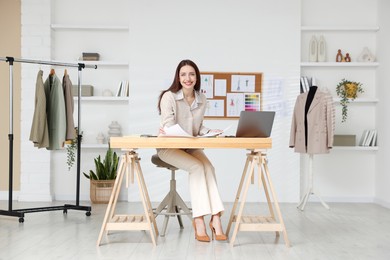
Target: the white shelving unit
(110, 41)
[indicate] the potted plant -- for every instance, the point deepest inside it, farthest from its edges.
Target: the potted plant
(347, 90)
(103, 178)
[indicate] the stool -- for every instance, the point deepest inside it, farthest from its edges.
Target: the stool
(172, 203)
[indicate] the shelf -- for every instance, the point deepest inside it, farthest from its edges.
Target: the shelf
(359, 100)
(341, 28)
(356, 148)
(105, 63)
(102, 98)
(339, 64)
(89, 27)
(94, 146)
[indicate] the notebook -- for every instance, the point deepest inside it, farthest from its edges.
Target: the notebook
(255, 124)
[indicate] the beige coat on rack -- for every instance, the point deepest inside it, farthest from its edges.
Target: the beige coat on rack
(39, 133)
(320, 123)
(69, 106)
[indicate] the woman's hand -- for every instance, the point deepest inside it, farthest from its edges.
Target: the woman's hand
(162, 132)
(215, 131)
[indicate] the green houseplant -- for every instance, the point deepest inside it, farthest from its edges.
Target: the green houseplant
(103, 178)
(347, 90)
(71, 148)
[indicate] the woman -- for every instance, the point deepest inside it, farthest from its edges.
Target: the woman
(183, 104)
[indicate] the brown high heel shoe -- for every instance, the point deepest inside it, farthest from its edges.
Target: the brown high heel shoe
(205, 238)
(221, 237)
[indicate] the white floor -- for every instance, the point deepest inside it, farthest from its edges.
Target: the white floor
(347, 231)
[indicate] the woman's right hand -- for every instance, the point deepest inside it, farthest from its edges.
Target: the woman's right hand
(162, 132)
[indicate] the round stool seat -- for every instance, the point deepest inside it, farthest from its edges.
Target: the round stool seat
(160, 163)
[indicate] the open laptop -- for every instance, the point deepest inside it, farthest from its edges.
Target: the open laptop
(255, 124)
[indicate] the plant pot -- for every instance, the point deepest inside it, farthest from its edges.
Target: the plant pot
(100, 191)
(351, 90)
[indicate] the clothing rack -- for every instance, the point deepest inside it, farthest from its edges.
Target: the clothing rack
(20, 212)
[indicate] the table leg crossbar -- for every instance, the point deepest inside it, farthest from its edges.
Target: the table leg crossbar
(256, 223)
(129, 161)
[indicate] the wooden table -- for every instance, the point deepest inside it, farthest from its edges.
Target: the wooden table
(256, 159)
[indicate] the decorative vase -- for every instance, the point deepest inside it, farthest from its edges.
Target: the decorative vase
(321, 50)
(114, 129)
(313, 51)
(100, 138)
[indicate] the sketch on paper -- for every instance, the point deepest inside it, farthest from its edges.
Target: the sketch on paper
(215, 107)
(220, 87)
(252, 101)
(206, 85)
(243, 83)
(234, 104)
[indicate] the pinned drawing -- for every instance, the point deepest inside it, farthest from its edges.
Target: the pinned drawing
(235, 104)
(243, 83)
(206, 86)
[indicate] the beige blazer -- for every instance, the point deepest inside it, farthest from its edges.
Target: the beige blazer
(39, 133)
(69, 107)
(320, 123)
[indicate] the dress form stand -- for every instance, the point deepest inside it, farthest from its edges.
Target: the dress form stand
(302, 203)
(310, 190)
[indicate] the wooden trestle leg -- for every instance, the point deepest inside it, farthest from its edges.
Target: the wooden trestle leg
(111, 221)
(256, 223)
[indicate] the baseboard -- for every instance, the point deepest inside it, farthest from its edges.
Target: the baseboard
(383, 203)
(314, 198)
(5, 196)
(34, 197)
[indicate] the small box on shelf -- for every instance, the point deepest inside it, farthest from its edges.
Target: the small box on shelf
(344, 140)
(86, 90)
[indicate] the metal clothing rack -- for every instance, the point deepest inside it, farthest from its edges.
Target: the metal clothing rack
(20, 212)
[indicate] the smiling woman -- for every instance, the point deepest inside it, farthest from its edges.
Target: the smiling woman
(10, 27)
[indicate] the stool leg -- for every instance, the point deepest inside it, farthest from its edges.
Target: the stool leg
(179, 217)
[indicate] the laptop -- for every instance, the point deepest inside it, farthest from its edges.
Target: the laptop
(255, 124)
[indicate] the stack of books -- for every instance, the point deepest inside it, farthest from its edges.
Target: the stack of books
(91, 56)
(369, 138)
(123, 89)
(306, 83)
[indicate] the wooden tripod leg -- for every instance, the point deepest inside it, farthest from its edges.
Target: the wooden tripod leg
(115, 190)
(269, 203)
(247, 163)
(276, 205)
(245, 192)
(145, 201)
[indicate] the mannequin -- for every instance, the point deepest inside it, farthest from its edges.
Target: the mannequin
(302, 204)
(310, 97)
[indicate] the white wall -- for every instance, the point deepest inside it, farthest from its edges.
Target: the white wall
(382, 183)
(249, 36)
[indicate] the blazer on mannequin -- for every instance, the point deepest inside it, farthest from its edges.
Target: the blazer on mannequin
(312, 126)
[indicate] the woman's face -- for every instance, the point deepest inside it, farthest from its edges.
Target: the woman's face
(187, 76)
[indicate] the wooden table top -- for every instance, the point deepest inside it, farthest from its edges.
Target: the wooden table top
(134, 142)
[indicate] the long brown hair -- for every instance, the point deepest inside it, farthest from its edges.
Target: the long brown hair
(176, 86)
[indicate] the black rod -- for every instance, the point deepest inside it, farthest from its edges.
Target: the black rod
(54, 63)
(79, 136)
(10, 60)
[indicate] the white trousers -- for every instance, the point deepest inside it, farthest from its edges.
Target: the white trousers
(205, 198)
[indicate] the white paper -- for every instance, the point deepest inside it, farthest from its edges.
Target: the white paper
(220, 87)
(215, 107)
(177, 131)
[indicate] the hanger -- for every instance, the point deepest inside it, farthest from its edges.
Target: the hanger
(65, 72)
(52, 72)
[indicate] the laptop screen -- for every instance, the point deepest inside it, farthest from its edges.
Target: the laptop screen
(255, 123)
